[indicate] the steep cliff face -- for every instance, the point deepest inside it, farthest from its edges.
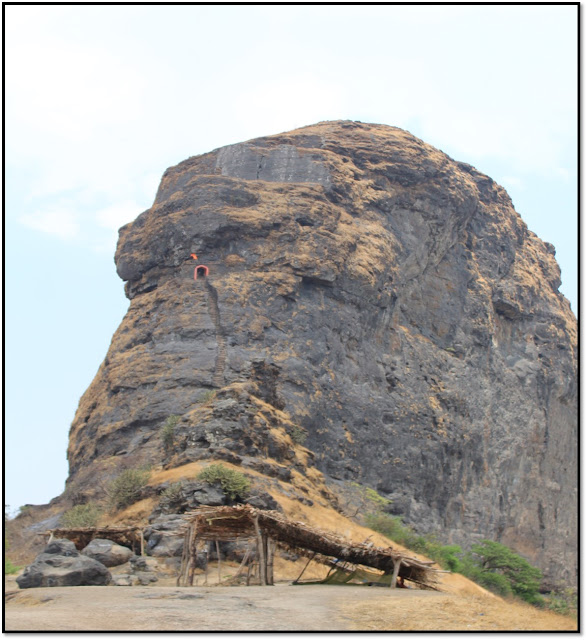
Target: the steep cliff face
(370, 293)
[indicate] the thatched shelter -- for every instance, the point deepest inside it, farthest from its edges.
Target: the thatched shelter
(267, 529)
(131, 537)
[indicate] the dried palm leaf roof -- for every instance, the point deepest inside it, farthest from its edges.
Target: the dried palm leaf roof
(231, 523)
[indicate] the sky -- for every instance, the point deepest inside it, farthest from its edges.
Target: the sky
(100, 100)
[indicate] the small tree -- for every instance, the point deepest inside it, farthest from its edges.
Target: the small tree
(126, 488)
(234, 484)
(500, 569)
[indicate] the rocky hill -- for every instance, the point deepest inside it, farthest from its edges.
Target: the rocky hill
(373, 311)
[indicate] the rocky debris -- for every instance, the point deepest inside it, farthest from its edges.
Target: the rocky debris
(107, 552)
(140, 573)
(377, 312)
(61, 565)
(191, 494)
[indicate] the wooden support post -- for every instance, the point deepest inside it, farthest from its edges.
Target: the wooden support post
(218, 557)
(244, 562)
(396, 567)
(142, 543)
(206, 569)
(184, 557)
(301, 574)
(193, 557)
(270, 556)
(261, 542)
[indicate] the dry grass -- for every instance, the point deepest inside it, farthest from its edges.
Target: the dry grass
(453, 613)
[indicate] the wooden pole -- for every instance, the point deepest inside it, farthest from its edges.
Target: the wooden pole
(193, 557)
(218, 556)
(270, 556)
(184, 557)
(396, 567)
(261, 546)
(206, 569)
(301, 574)
(142, 543)
(244, 562)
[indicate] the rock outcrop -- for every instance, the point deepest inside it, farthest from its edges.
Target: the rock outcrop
(367, 297)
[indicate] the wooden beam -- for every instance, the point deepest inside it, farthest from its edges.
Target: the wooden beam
(396, 567)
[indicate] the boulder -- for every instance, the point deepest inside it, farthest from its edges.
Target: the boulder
(262, 500)
(61, 547)
(163, 536)
(61, 565)
(107, 552)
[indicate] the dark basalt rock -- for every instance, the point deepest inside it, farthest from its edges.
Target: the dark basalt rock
(61, 565)
(107, 552)
(374, 311)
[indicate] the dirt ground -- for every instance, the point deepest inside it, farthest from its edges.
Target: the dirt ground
(283, 607)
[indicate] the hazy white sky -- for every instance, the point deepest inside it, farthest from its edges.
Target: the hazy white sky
(100, 100)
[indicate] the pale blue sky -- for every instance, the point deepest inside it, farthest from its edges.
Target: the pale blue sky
(100, 100)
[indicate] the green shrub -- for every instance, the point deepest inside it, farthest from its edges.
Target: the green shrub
(297, 434)
(233, 483)
(490, 564)
(392, 527)
(126, 488)
(9, 568)
(389, 526)
(207, 396)
(82, 515)
(168, 432)
(173, 492)
(563, 601)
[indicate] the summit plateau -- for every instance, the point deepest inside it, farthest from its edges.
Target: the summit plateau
(366, 309)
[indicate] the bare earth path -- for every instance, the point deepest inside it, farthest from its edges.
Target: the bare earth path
(280, 608)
